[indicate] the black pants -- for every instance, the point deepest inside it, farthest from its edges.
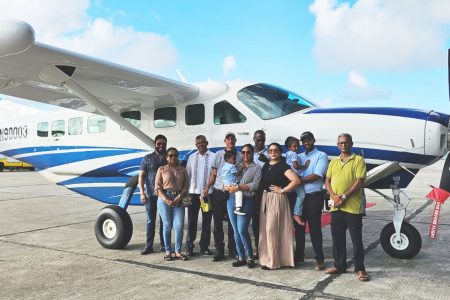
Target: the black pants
(255, 218)
(340, 221)
(219, 204)
(191, 235)
(312, 213)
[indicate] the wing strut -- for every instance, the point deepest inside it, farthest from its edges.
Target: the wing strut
(63, 75)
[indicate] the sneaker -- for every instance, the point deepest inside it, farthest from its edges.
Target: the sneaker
(239, 211)
(206, 252)
(147, 250)
(239, 263)
(190, 252)
(251, 263)
(320, 265)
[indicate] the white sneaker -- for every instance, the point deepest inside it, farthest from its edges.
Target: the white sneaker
(239, 211)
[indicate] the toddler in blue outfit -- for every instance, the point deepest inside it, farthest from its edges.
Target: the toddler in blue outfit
(292, 145)
(229, 174)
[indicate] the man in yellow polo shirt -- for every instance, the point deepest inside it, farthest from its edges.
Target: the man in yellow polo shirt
(344, 180)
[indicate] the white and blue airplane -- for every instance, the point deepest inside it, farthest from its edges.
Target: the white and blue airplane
(95, 147)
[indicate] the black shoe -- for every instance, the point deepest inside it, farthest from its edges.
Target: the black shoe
(218, 257)
(190, 252)
(239, 263)
(232, 254)
(147, 250)
(265, 268)
(298, 261)
(206, 252)
(251, 263)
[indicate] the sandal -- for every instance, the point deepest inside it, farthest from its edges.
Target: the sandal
(181, 256)
(362, 276)
(167, 257)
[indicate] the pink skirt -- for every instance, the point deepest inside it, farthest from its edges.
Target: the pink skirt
(275, 232)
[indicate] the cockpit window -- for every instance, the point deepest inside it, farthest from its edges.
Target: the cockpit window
(270, 102)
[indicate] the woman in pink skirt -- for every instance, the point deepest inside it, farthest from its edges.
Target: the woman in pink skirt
(275, 227)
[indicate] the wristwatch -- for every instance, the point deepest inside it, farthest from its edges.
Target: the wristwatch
(343, 197)
(282, 191)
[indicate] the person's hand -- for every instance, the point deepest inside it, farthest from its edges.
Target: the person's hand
(205, 192)
(276, 189)
(307, 163)
(233, 188)
(143, 198)
(176, 200)
(263, 158)
(226, 188)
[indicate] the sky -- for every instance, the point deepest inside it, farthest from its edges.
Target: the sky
(336, 53)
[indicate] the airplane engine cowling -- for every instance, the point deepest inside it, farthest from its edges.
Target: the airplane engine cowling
(15, 37)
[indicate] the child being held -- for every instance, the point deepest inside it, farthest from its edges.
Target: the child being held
(292, 145)
(229, 174)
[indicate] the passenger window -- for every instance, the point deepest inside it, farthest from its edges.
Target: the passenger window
(42, 129)
(58, 128)
(134, 117)
(225, 113)
(75, 126)
(195, 114)
(96, 124)
(165, 117)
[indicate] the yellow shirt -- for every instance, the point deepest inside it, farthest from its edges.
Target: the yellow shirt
(343, 176)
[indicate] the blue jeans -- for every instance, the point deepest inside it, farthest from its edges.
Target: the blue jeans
(150, 208)
(298, 208)
(240, 226)
(172, 217)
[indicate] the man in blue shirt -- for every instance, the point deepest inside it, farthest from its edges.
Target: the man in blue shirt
(313, 179)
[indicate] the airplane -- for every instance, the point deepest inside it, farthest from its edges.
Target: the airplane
(95, 147)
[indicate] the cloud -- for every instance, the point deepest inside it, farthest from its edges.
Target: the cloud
(380, 34)
(229, 64)
(359, 90)
(356, 79)
(66, 24)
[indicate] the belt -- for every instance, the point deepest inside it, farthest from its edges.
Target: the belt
(314, 193)
(170, 192)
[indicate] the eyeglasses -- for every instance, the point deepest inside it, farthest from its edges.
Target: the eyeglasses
(172, 155)
(273, 151)
(246, 152)
(344, 143)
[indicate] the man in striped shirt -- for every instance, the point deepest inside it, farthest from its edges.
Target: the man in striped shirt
(199, 170)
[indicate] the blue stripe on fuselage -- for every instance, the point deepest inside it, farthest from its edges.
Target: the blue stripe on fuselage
(436, 117)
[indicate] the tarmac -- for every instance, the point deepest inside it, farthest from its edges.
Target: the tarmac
(48, 251)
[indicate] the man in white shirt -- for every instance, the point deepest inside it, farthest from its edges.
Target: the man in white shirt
(199, 170)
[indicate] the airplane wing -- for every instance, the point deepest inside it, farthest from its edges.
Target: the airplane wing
(55, 76)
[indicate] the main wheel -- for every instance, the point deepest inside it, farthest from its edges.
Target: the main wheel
(409, 244)
(113, 227)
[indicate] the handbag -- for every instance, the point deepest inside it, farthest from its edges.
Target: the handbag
(205, 204)
(186, 201)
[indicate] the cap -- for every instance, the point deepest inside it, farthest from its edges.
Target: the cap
(230, 133)
(306, 135)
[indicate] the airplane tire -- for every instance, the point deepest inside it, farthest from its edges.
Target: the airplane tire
(2, 167)
(410, 244)
(113, 227)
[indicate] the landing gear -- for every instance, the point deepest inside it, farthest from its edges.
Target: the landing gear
(113, 227)
(399, 239)
(405, 247)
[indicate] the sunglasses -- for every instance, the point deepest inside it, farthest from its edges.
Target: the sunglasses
(273, 151)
